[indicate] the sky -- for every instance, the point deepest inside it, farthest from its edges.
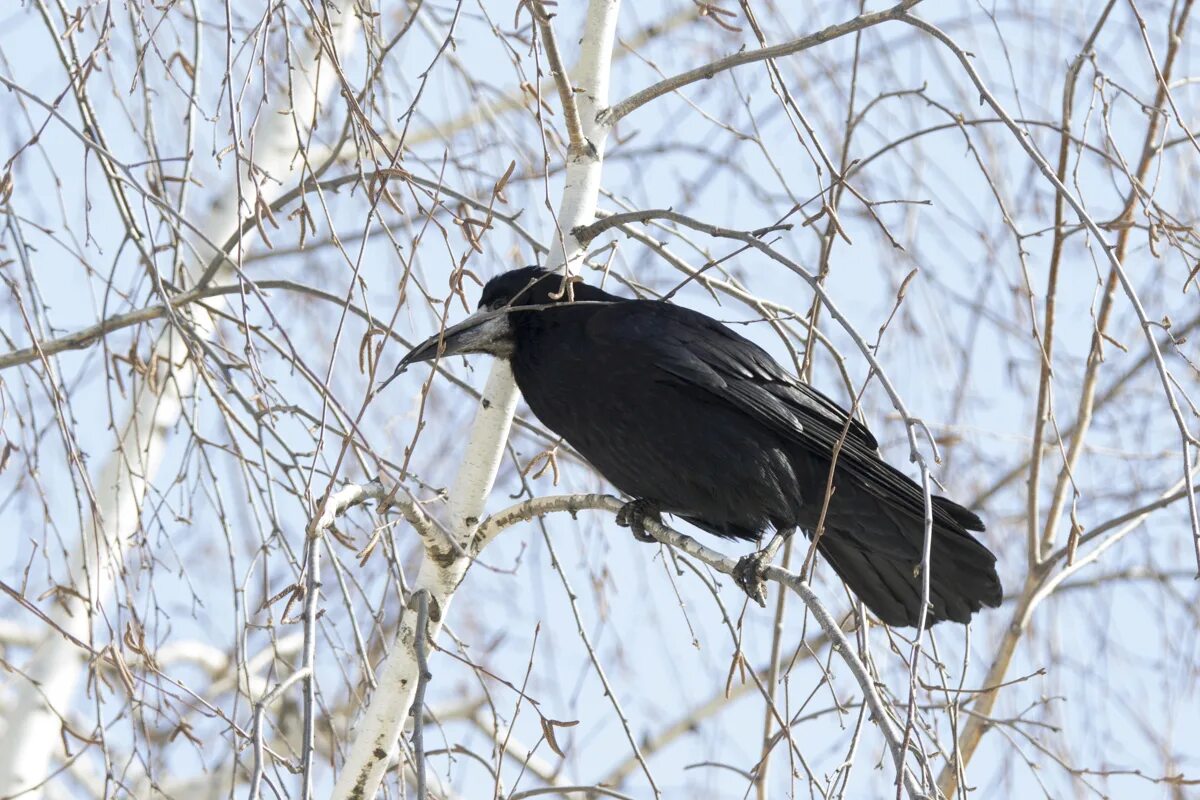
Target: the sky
(959, 352)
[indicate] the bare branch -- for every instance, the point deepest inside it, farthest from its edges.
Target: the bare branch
(611, 116)
(725, 565)
(566, 94)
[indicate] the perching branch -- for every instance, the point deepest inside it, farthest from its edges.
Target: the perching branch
(572, 504)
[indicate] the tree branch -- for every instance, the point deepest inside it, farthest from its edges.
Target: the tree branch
(572, 504)
(114, 506)
(970, 737)
(611, 116)
(562, 80)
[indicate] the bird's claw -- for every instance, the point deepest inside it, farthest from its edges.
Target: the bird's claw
(633, 515)
(750, 575)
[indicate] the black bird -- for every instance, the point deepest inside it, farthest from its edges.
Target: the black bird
(687, 417)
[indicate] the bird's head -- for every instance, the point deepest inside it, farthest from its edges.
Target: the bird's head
(490, 330)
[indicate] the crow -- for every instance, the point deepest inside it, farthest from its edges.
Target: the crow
(686, 417)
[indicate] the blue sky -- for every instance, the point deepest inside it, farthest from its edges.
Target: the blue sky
(1119, 658)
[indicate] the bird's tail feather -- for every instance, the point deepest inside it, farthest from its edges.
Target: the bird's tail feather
(964, 517)
(963, 576)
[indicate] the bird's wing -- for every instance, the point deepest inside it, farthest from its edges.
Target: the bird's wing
(698, 350)
(691, 348)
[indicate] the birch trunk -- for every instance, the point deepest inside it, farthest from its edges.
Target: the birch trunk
(441, 572)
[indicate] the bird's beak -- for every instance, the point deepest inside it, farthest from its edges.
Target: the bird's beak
(482, 332)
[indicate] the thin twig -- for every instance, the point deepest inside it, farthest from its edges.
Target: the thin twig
(256, 735)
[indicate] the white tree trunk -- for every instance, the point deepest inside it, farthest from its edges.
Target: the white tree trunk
(445, 563)
(32, 733)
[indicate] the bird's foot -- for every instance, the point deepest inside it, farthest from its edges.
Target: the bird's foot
(633, 515)
(750, 573)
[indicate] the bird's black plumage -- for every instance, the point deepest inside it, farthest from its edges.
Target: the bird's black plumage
(677, 410)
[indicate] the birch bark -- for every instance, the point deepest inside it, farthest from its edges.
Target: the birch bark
(445, 563)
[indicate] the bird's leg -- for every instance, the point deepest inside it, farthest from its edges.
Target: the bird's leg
(633, 515)
(750, 572)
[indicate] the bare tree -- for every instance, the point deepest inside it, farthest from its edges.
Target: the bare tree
(237, 570)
